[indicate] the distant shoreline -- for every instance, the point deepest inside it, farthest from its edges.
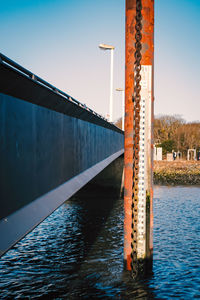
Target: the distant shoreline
(177, 172)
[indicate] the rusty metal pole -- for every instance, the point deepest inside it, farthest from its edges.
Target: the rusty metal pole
(145, 211)
(128, 133)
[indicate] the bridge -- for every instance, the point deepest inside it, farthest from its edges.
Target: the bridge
(52, 145)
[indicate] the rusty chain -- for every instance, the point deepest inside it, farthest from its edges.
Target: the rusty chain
(136, 136)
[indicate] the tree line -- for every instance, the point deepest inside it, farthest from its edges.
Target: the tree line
(174, 133)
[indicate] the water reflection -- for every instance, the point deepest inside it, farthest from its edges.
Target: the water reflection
(77, 253)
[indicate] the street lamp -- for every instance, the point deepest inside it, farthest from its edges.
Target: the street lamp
(111, 48)
(123, 113)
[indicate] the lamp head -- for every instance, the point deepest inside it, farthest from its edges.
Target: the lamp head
(106, 47)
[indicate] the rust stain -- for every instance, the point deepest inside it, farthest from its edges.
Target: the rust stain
(128, 263)
(147, 32)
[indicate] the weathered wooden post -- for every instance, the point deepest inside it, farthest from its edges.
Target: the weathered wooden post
(139, 97)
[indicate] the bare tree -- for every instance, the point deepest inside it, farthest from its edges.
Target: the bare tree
(173, 130)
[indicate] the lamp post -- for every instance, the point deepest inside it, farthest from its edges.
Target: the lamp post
(111, 48)
(123, 113)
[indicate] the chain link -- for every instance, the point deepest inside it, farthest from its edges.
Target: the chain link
(136, 137)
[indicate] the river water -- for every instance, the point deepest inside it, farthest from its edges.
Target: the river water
(77, 252)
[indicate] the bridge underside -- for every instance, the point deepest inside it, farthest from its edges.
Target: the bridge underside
(50, 148)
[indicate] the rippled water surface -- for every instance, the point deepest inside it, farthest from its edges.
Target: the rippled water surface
(77, 252)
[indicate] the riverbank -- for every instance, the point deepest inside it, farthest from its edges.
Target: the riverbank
(177, 172)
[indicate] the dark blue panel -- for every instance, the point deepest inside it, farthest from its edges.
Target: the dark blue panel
(41, 148)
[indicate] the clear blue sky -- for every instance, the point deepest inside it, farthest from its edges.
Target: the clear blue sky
(58, 40)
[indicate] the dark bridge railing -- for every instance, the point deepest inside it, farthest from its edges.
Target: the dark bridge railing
(7, 61)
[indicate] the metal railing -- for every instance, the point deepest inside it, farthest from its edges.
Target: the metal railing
(7, 61)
